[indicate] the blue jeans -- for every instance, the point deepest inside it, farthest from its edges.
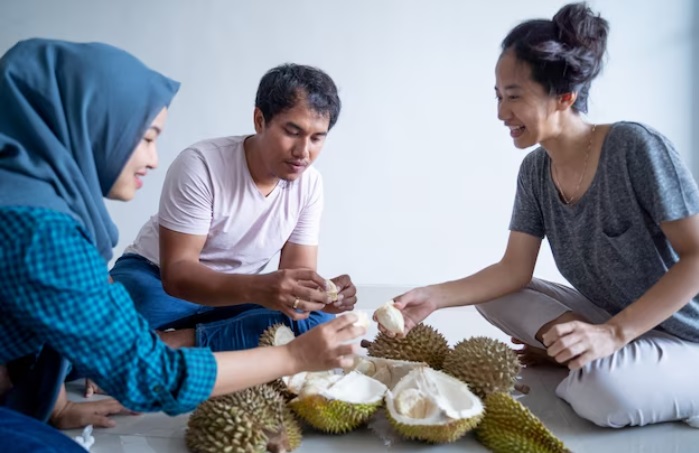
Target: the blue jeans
(22, 434)
(220, 328)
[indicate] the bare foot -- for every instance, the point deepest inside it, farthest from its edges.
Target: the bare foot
(97, 413)
(92, 389)
(531, 356)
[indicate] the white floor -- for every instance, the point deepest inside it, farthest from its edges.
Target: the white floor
(151, 433)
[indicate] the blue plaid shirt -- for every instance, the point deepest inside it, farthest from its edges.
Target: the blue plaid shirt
(54, 290)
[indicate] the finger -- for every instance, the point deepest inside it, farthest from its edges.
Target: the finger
(570, 353)
(297, 315)
(89, 390)
(581, 360)
(308, 284)
(342, 322)
(349, 349)
(307, 306)
(516, 340)
(564, 342)
(100, 421)
(310, 275)
(557, 331)
(312, 295)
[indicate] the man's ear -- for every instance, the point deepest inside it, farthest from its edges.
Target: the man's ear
(258, 120)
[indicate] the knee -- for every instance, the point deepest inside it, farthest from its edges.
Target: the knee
(598, 396)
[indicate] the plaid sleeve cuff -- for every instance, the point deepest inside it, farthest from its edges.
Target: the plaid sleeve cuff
(197, 383)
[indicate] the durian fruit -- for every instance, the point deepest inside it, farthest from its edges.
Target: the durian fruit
(390, 318)
(387, 371)
(331, 289)
(277, 335)
(362, 318)
(509, 427)
(487, 365)
(337, 405)
(251, 420)
(432, 406)
(422, 344)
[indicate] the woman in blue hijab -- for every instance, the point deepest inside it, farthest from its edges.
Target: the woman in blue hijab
(78, 123)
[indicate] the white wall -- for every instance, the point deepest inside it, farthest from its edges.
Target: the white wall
(419, 173)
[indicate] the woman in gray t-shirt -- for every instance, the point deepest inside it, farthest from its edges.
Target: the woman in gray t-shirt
(619, 210)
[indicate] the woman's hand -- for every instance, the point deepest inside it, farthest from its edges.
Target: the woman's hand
(415, 305)
(326, 346)
(578, 343)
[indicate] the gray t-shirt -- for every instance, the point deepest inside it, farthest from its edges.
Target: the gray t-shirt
(609, 244)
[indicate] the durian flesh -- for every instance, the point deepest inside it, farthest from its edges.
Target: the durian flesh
(387, 371)
(432, 406)
(338, 405)
(390, 318)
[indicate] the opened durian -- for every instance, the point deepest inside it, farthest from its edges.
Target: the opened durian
(509, 427)
(337, 403)
(251, 420)
(432, 406)
(390, 318)
(487, 365)
(422, 344)
(386, 371)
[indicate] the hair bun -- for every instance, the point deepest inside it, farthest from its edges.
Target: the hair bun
(578, 26)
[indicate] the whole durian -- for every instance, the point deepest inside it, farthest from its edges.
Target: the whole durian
(251, 420)
(509, 427)
(423, 343)
(432, 406)
(487, 365)
(337, 404)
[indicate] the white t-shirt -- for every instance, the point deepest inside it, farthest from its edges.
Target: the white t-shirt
(208, 190)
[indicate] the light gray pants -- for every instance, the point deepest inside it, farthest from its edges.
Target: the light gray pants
(653, 379)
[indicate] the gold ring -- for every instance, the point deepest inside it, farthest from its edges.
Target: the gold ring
(296, 304)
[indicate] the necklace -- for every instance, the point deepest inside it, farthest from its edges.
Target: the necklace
(574, 195)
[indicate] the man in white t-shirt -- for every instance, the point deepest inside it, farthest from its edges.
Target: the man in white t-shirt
(228, 206)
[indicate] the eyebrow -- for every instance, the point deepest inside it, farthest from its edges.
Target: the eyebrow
(156, 129)
(300, 129)
(512, 86)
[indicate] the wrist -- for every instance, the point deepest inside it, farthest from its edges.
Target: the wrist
(619, 332)
(289, 360)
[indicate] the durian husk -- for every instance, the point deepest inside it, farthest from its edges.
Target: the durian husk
(423, 343)
(254, 419)
(332, 416)
(487, 365)
(509, 427)
(269, 338)
(337, 406)
(437, 432)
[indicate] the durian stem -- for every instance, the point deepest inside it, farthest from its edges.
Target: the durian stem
(522, 388)
(365, 343)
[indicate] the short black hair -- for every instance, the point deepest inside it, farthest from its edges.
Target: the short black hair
(565, 54)
(282, 87)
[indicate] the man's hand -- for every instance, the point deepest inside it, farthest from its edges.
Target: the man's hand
(346, 295)
(294, 292)
(325, 346)
(578, 343)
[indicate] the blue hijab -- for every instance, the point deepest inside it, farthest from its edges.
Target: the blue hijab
(70, 117)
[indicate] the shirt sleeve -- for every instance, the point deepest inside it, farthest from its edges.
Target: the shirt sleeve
(63, 297)
(307, 230)
(526, 212)
(662, 183)
(186, 201)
